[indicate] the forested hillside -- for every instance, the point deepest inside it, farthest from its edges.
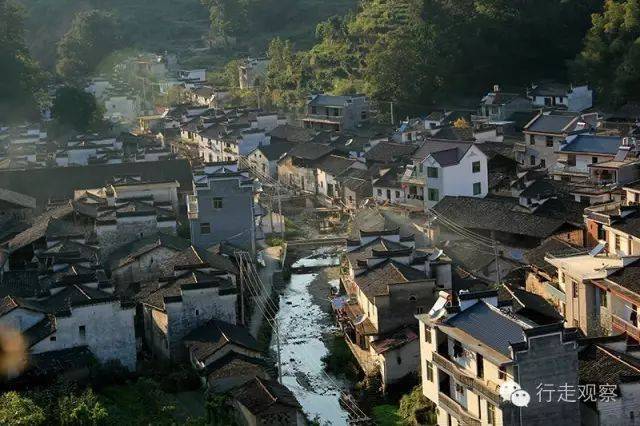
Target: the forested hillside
(182, 25)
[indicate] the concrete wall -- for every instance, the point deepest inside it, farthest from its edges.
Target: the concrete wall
(109, 333)
(233, 222)
(399, 362)
(551, 361)
(146, 268)
(196, 308)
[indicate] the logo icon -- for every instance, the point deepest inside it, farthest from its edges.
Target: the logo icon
(508, 388)
(520, 398)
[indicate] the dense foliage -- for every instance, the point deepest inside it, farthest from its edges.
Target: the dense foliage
(75, 109)
(417, 52)
(92, 36)
(20, 76)
(610, 59)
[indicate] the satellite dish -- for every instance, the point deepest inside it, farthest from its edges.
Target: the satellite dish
(436, 255)
(359, 319)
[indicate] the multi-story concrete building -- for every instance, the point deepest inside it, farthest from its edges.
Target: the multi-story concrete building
(337, 113)
(386, 284)
(224, 207)
(467, 352)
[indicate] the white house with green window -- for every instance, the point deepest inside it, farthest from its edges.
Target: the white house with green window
(452, 168)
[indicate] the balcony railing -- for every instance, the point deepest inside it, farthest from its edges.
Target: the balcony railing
(487, 388)
(625, 326)
(324, 117)
(458, 411)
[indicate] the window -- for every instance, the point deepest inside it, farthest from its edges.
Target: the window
(412, 298)
(502, 373)
(197, 312)
(571, 159)
(399, 360)
(458, 350)
(432, 194)
(475, 167)
(363, 115)
(459, 389)
(397, 194)
(419, 310)
(549, 141)
(532, 140)
(427, 334)
(217, 203)
(52, 338)
(594, 160)
(479, 366)
(532, 160)
(574, 288)
(82, 331)
(205, 228)
(379, 191)
(491, 414)
(421, 168)
(543, 163)
(617, 242)
(603, 298)
(429, 368)
(477, 188)
(432, 172)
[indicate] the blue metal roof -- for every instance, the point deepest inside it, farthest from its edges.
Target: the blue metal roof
(593, 144)
(491, 327)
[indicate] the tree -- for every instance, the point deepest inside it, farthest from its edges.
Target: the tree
(76, 109)
(610, 58)
(93, 35)
(20, 75)
(81, 410)
(18, 410)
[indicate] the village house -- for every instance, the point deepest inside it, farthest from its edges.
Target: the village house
(298, 168)
(262, 402)
(446, 168)
(498, 106)
(189, 295)
(386, 282)
(561, 96)
(336, 113)
(225, 355)
(609, 363)
(578, 154)
(264, 159)
(224, 207)
(544, 135)
(467, 351)
(328, 173)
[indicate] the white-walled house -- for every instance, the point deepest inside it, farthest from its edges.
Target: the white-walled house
(459, 169)
(557, 95)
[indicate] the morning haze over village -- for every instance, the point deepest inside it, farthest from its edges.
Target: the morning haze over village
(320, 212)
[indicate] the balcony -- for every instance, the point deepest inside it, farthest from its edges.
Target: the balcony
(488, 389)
(323, 117)
(619, 324)
(192, 207)
(458, 411)
(569, 169)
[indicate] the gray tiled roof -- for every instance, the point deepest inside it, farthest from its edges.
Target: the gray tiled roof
(213, 335)
(553, 123)
(489, 325)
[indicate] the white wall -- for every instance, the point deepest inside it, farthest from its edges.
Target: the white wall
(109, 334)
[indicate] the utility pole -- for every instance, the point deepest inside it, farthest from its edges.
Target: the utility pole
(277, 330)
(241, 277)
(497, 257)
(393, 121)
(280, 212)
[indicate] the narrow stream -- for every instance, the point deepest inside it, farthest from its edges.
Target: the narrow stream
(303, 320)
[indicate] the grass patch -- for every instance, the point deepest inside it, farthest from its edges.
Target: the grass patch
(273, 241)
(386, 415)
(340, 361)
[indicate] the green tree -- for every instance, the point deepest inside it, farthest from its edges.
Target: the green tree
(73, 108)
(20, 76)
(610, 58)
(81, 410)
(93, 35)
(18, 410)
